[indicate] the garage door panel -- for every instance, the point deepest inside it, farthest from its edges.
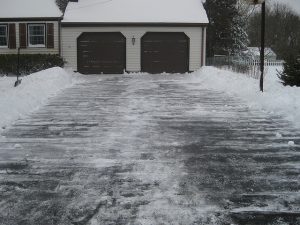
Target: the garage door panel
(101, 53)
(165, 52)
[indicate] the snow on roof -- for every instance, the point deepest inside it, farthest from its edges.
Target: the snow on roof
(29, 9)
(255, 51)
(136, 11)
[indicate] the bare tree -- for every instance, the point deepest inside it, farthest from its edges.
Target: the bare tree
(282, 30)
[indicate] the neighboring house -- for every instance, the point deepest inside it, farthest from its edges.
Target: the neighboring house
(254, 53)
(32, 25)
(155, 36)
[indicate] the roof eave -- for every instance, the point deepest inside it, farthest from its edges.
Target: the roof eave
(16, 19)
(126, 24)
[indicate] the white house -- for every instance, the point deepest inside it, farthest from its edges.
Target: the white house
(113, 36)
(254, 53)
(32, 25)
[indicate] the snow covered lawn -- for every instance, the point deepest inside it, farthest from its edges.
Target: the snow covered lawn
(276, 99)
(33, 92)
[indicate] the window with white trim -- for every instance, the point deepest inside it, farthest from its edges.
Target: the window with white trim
(36, 35)
(3, 36)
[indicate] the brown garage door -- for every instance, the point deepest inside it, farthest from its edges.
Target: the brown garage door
(101, 53)
(165, 52)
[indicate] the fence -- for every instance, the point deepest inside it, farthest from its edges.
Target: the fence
(249, 67)
(257, 62)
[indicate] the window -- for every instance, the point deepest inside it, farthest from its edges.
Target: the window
(3, 35)
(36, 35)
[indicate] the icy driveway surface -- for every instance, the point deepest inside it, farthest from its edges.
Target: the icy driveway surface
(148, 150)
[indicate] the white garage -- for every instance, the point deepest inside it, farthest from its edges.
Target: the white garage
(106, 37)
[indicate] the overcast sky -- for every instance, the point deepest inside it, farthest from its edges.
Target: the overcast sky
(295, 4)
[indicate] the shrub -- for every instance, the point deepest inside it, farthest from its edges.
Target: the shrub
(291, 73)
(28, 63)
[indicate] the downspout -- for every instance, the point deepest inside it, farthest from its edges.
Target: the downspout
(59, 36)
(59, 30)
(202, 48)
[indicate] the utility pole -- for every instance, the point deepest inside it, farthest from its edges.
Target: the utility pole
(263, 31)
(262, 50)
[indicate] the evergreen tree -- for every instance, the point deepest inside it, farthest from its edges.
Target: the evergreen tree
(62, 4)
(226, 32)
(291, 73)
(239, 29)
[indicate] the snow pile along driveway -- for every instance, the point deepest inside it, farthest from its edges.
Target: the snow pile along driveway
(33, 92)
(277, 99)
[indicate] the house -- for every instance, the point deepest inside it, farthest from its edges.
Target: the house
(254, 53)
(31, 25)
(154, 36)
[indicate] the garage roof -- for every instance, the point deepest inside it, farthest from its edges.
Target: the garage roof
(29, 9)
(135, 11)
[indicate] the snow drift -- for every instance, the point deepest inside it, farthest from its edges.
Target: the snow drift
(33, 92)
(276, 98)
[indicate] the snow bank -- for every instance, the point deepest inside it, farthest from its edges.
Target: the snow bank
(33, 92)
(276, 98)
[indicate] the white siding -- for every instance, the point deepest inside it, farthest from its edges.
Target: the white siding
(204, 47)
(133, 52)
(29, 50)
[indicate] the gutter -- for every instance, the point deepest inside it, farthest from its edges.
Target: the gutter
(130, 24)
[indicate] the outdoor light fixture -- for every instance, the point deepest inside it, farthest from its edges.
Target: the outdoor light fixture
(263, 28)
(133, 40)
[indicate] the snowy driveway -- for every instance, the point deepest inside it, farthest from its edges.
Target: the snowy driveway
(148, 150)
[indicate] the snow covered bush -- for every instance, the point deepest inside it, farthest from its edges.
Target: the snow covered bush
(28, 63)
(291, 73)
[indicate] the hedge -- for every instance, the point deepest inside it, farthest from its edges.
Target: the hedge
(29, 63)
